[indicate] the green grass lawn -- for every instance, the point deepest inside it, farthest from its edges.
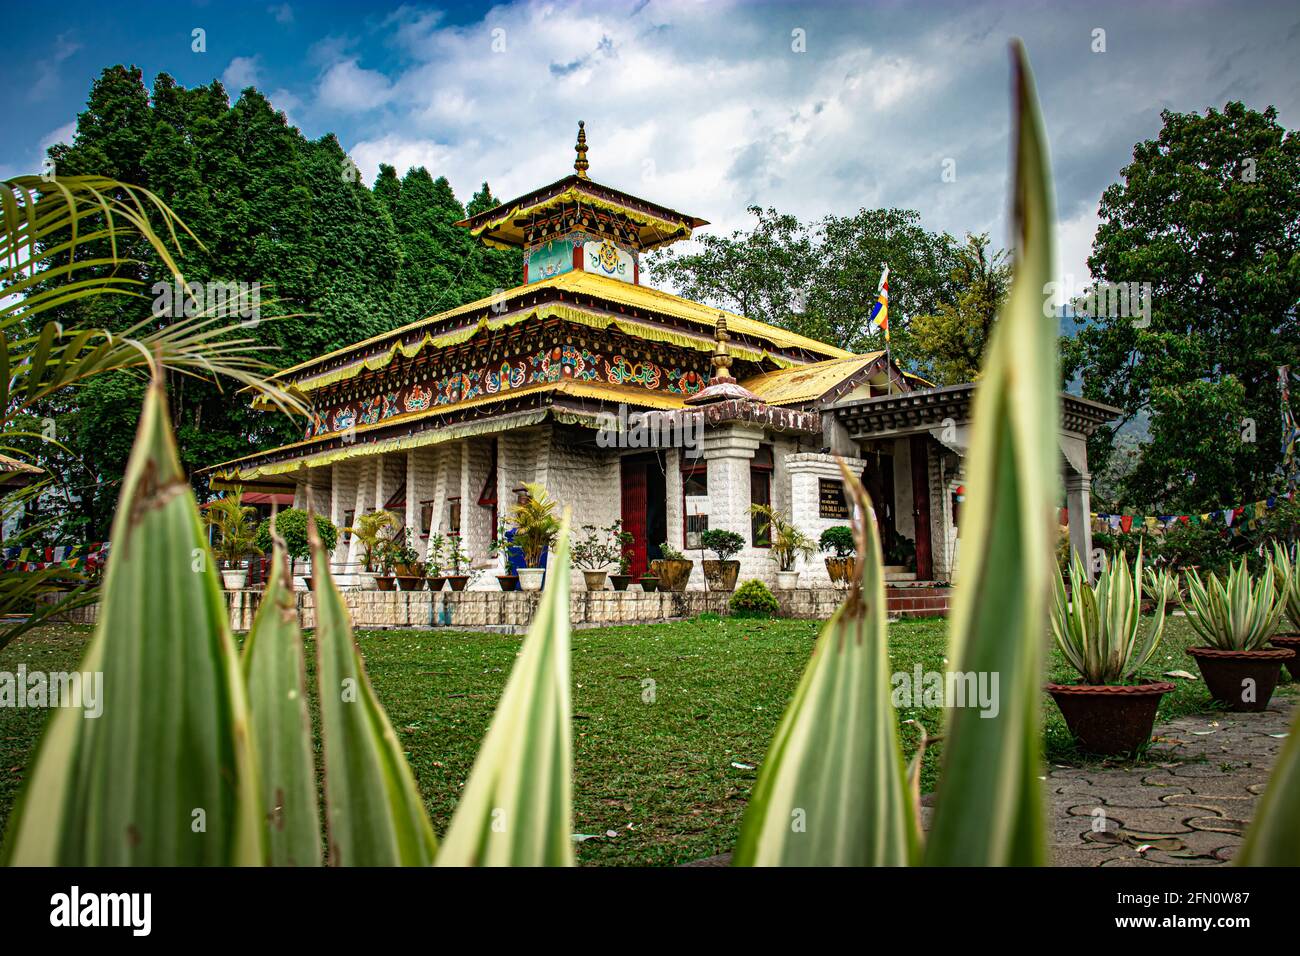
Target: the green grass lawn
(668, 772)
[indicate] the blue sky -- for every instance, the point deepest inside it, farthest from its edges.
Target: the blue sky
(706, 107)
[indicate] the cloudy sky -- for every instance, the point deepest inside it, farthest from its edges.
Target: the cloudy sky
(708, 107)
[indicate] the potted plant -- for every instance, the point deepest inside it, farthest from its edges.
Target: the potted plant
(1288, 582)
(291, 527)
(1098, 629)
(434, 556)
(1236, 618)
(370, 533)
(407, 566)
(458, 563)
(236, 537)
(839, 565)
(672, 568)
(788, 544)
(1162, 586)
(535, 527)
(596, 550)
(623, 579)
(649, 583)
(720, 575)
(501, 545)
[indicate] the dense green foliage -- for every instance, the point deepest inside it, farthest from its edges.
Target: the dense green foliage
(837, 538)
(820, 278)
(291, 525)
(343, 262)
(754, 599)
(953, 338)
(1209, 214)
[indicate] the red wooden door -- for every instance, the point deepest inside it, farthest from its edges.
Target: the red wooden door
(634, 512)
(921, 507)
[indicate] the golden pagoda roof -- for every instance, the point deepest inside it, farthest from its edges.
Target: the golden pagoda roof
(606, 305)
(806, 383)
(310, 454)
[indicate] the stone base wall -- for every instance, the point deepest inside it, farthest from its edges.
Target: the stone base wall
(513, 611)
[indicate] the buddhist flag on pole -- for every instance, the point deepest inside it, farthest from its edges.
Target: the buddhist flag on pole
(880, 313)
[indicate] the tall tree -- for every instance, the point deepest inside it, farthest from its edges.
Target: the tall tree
(1208, 213)
(950, 342)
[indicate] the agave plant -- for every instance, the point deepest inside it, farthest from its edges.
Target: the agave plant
(1239, 613)
(229, 777)
(1288, 581)
(832, 789)
(1098, 627)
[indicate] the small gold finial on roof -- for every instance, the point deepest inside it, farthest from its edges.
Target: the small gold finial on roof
(721, 357)
(580, 164)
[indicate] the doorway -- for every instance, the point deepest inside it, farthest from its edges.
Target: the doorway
(878, 479)
(644, 510)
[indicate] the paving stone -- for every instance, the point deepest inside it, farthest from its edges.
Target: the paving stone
(1218, 824)
(1121, 797)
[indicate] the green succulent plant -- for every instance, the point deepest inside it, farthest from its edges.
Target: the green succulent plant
(1239, 613)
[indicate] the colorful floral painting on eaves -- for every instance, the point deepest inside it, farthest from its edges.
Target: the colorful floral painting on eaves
(546, 365)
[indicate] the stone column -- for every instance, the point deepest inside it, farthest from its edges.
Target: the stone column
(1078, 492)
(807, 471)
(728, 451)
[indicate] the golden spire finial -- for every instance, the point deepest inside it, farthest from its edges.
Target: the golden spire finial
(721, 357)
(580, 164)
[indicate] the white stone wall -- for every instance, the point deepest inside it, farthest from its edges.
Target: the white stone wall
(807, 471)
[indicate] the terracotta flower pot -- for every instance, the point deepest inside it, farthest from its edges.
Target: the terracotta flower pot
(1241, 680)
(386, 583)
(620, 581)
(458, 581)
(595, 580)
(673, 575)
(410, 582)
(1109, 720)
(508, 582)
(721, 575)
(840, 569)
(1290, 642)
(435, 583)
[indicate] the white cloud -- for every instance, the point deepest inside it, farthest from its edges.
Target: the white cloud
(401, 153)
(243, 71)
(348, 87)
(283, 13)
(50, 67)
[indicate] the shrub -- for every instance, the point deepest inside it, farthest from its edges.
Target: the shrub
(725, 544)
(753, 599)
(291, 525)
(1195, 546)
(838, 539)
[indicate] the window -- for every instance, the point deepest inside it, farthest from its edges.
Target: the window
(695, 497)
(760, 493)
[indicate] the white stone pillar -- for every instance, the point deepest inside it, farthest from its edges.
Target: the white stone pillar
(807, 471)
(1078, 491)
(728, 451)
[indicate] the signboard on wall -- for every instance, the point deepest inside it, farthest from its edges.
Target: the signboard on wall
(831, 500)
(606, 259)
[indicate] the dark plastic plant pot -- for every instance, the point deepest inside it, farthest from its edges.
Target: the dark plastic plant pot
(1290, 642)
(1110, 720)
(435, 583)
(1233, 676)
(620, 581)
(508, 582)
(649, 584)
(458, 581)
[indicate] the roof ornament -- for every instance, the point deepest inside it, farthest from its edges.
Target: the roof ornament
(580, 164)
(722, 386)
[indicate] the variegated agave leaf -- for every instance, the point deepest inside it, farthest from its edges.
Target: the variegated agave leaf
(164, 776)
(989, 808)
(1274, 836)
(832, 790)
(373, 811)
(516, 809)
(275, 670)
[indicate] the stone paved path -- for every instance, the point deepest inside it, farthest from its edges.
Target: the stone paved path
(1188, 804)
